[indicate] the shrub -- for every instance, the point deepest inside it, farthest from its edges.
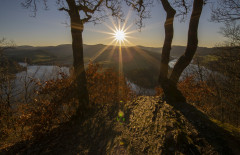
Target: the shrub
(194, 91)
(106, 86)
(53, 101)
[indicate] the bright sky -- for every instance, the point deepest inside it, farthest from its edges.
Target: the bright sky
(47, 28)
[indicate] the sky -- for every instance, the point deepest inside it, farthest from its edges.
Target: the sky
(48, 28)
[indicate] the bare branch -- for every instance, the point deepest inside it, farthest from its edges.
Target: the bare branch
(143, 9)
(115, 7)
(30, 4)
(63, 9)
(84, 20)
(5, 45)
(226, 11)
(231, 31)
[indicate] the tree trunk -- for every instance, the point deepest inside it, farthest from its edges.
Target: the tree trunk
(78, 61)
(169, 85)
(170, 90)
(167, 42)
(192, 44)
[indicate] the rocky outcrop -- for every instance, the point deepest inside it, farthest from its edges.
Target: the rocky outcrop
(154, 127)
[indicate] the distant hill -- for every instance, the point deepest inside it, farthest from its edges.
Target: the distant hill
(137, 61)
(63, 53)
(177, 51)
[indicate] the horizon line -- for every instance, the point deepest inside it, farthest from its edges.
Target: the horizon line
(109, 45)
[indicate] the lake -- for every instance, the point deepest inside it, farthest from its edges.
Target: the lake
(44, 72)
(41, 72)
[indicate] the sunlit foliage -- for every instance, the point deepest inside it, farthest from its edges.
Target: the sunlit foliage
(54, 102)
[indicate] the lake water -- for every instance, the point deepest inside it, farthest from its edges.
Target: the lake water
(191, 69)
(43, 73)
(195, 69)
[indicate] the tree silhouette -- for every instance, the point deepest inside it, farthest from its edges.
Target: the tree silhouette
(226, 11)
(81, 12)
(186, 58)
(169, 83)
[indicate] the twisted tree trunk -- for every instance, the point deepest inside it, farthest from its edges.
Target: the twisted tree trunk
(167, 42)
(192, 44)
(169, 85)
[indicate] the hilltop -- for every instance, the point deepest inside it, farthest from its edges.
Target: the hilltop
(149, 126)
(137, 61)
(62, 54)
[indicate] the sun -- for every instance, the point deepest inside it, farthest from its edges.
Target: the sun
(120, 32)
(119, 35)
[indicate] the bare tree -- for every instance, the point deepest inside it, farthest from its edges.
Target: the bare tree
(192, 45)
(4, 45)
(226, 10)
(6, 87)
(169, 83)
(81, 12)
(6, 74)
(231, 31)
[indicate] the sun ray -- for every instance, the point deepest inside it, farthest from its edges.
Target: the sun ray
(98, 31)
(150, 58)
(127, 18)
(120, 61)
(137, 68)
(131, 56)
(100, 52)
(129, 26)
(120, 36)
(112, 21)
(120, 33)
(119, 24)
(128, 52)
(111, 37)
(130, 32)
(127, 37)
(112, 51)
(121, 74)
(112, 29)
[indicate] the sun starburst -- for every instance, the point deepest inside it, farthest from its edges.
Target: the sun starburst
(119, 35)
